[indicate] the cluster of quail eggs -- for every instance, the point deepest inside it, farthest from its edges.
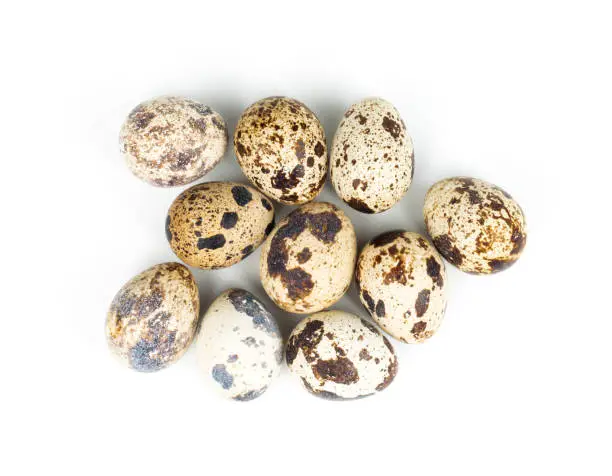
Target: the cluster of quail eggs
(309, 257)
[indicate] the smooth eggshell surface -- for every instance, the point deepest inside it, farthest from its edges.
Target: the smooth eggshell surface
(339, 356)
(152, 319)
(402, 281)
(171, 141)
(372, 158)
(475, 225)
(217, 224)
(308, 260)
(280, 146)
(239, 346)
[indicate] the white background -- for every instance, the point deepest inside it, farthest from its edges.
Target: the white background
(517, 381)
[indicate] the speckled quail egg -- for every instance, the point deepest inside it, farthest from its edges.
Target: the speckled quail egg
(217, 224)
(401, 281)
(239, 346)
(339, 356)
(475, 225)
(308, 261)
(170, 141)
(372, 158)
(152, 319)
(280, 145)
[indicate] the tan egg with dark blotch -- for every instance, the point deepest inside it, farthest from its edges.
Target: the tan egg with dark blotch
(171, 141)
(280, 146)
(372, 158)
(402, 282)
(307, 262)
(339, 356)
(152, 319)
(475, 225)
(217, 224)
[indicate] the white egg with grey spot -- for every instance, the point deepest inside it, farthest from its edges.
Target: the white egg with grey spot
(239, 346)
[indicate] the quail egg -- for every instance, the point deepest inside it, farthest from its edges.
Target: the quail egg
(339, 356)
(475, 225)
(307, 262)
(152, 319)
(280, 146)
(170, 141)
(402, 282)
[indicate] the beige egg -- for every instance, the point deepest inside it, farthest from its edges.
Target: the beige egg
(170, 141)
(152, 319)
(239, 347)
(217, 224)
(307, 262)
(280, 146)
(475, 225)
(402, 281)
(339, 356)
(372, 158)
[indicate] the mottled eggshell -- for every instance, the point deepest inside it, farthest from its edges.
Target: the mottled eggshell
(152, 319)
(339, 356)
(239, 347)
(280, 145)
(372, 158)
(307, 262)
(401, 280)
(217, 224)
(475, 225)
(172, 141)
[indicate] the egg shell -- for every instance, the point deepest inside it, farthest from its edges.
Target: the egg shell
(239, 346)
(217, 224)
(170, 141)
(280, 146)
(308, 261)
(402, 283)
(475, 225)
(339, 356)
(372, 157)
(152, 319)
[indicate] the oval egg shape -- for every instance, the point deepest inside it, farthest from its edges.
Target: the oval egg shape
(339, 356)
(171, 141)
(152, 319)
(401, 281)
(280, 146)
(372, 157)
(239, 346)
(307, 262)
(217, 224)
(475, 225)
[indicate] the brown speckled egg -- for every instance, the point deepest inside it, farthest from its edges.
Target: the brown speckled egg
(171, 141)
(401, 281)
(372, 158)
(152, 319)
(475, 225)
(280, 145)
(217, 224)
(308, 260)
(339, 356)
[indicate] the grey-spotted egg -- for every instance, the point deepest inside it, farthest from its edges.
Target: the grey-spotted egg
(372, 158)
(475, 225)
(217, 224)
(308, 260)
(152, 319)
(239, 345)
(280, 146)
(402, 283)
(171, 141)
(339, 356)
